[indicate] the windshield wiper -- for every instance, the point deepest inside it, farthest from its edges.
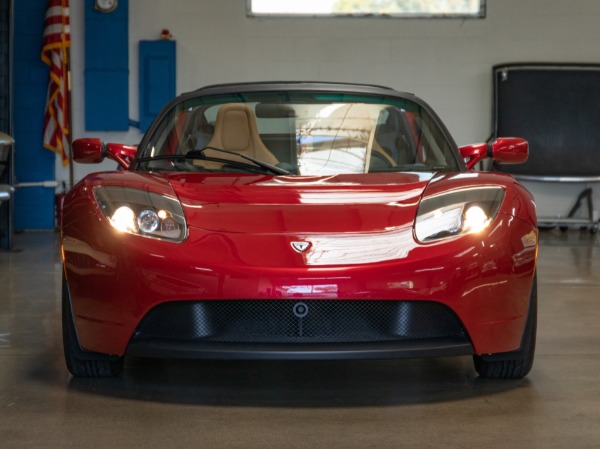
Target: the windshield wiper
(199, 154)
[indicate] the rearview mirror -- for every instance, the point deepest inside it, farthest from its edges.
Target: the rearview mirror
(93, 151)
(504, 150)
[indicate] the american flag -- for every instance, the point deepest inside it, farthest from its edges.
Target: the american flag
(55, 53)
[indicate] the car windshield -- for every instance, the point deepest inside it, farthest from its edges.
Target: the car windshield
(303, 133)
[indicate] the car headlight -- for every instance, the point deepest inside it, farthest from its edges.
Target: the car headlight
(142, 213)
(456, 213)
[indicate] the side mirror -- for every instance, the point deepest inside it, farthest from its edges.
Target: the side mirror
(504, 150)
(93, 151)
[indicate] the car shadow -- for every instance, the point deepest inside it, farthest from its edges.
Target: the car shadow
(311, 384)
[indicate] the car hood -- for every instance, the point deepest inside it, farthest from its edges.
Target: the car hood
(365, 203)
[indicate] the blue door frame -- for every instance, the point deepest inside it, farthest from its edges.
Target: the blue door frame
(33, 206)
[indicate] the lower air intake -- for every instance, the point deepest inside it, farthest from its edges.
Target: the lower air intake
(291, 321)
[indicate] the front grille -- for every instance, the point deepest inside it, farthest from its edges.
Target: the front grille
(291, 321)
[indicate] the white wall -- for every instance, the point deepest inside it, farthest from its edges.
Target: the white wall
(446, 62)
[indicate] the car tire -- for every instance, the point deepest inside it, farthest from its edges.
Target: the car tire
(514, 364)
(81, 363)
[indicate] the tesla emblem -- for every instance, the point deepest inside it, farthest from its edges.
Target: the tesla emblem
(300, 247)
(300, 309)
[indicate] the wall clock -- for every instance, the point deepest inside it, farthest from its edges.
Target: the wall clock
(106, 5)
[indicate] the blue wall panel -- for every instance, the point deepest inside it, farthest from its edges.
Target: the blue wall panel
(106, 100)
(34, 207)
(106, 68)
(157, 62)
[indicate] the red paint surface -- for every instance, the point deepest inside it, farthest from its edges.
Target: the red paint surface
(360, 231)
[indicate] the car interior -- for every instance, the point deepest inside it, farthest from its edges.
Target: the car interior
(305, 139)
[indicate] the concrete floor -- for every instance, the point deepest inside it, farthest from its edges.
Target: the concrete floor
(433, 403)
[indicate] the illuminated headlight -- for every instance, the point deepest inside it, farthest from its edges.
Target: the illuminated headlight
(142, 213)
(455, 213)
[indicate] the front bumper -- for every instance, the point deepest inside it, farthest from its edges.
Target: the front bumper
(117, 280)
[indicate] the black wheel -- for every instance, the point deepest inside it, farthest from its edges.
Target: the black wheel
(83, 363)
(514, 364)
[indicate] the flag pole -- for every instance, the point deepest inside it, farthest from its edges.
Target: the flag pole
(67, 76)
(69, 104)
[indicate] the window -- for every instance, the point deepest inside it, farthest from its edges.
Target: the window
(308, 133)
(368, 8)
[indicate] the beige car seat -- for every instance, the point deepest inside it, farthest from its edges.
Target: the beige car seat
(236, 130)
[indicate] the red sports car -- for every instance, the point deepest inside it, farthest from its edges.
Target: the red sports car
(299, 221)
